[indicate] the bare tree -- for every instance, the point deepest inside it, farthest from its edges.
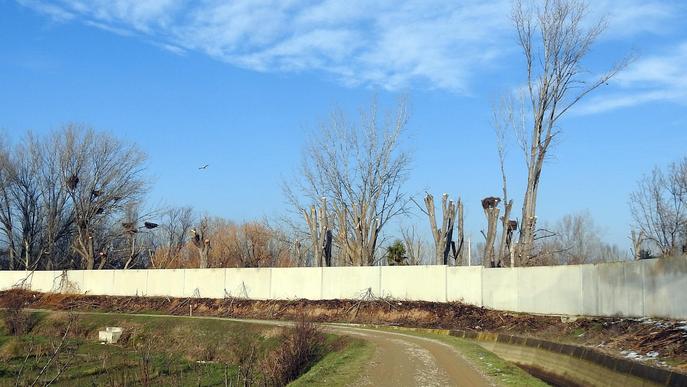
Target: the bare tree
(555, 39)
(21, 197)
(170, 238)
(414, 245)
(659, 208)
(102, 176)
(575, 239)
(504, 118)
(57, 214)
(360, 169)
(6, 205)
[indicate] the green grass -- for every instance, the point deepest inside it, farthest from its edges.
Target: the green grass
(502, 372)
(338, 368)
(181, 351)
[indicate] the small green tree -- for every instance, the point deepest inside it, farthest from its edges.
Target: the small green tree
(396, 254)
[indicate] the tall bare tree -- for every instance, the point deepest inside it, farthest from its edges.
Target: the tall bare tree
(102, 175)
(659, 208)
(504, 118)
(360, 168)
(57, 214)
(555, 38)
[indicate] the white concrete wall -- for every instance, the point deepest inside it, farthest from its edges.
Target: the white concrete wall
(45, 281)
(251, 283)
(554, 289)
(205, 283)
(499, 289)
(296, 282)
(643, 288)
(99, 282)
(350, 282)
(664, 288)
(130, 283)
(165, 282)
(464, 284)
(425, 283)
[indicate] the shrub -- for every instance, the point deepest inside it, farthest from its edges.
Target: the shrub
(301, 348)
(17, 320)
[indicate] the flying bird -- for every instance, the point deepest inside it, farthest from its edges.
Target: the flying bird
(204, 166)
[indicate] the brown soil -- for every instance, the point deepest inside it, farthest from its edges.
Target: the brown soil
(613, 335)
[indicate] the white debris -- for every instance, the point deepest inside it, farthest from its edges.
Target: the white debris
(110, 335)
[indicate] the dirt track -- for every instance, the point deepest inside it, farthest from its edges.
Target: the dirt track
(404, 360)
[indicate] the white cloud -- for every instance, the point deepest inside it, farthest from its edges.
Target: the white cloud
(384, 43)
(654, 78)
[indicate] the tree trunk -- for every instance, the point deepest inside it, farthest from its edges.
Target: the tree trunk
(492, 214)
(504, 244)
(529, 210)
(442, 236)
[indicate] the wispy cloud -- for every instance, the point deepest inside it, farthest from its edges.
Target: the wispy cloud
(384, 43)
(661, 77)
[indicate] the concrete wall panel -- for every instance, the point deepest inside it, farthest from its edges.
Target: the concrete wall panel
(633, 288)
(75, 282)
(165, 282)
(554, 290)
(14, 279)
(350, 283)
(296, 282)
(46, 281)
(499, 288)
(590, 290)
(613, 298)
(205, 283)
(464, 284)
(665, 287)
(99, 282)
(250, 283)
(426, 283)
(130, 283)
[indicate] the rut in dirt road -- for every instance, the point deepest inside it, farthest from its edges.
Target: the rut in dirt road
(405, 360)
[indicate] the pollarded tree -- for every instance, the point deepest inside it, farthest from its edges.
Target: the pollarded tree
(360, 168)
(555, 38)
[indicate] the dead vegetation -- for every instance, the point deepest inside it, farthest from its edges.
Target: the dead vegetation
(301, 347)
(668, 338)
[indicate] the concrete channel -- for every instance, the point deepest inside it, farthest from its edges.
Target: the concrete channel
(571, 365)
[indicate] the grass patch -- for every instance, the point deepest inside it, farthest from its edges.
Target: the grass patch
(158, 350)
(338, 368)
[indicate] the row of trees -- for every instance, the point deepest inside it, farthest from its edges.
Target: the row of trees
(75, 200)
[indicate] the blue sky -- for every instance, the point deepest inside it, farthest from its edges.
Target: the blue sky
(240, 84)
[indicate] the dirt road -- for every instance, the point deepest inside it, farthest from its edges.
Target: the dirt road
(405, 360)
